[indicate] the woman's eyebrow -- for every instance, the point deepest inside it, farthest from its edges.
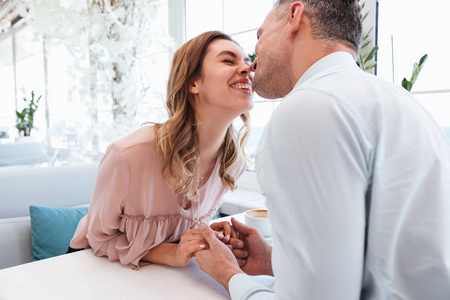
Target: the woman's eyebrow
(232, 54)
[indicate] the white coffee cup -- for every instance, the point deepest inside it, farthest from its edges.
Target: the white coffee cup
(258, 218)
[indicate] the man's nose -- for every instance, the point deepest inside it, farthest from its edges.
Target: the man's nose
(253, 65)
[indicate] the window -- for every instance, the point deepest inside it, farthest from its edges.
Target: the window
(7, 99)
(404, 41)
(64, 118)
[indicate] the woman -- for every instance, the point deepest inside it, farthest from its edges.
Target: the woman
(156, 185)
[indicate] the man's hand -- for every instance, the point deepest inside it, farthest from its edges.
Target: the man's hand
(228, 235)
(257, 252)
(218, 261)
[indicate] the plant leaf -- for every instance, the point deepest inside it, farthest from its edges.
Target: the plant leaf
(406, 84)
(423, 59)
(371, 65)
(365, 16)
(365, 44)
(369, 55)
(366, 36)
(415, 74)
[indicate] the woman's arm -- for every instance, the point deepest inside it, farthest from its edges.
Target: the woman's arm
(100, 228)
(177, 255)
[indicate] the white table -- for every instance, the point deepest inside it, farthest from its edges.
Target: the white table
(81, 275)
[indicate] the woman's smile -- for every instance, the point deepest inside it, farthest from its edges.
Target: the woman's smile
(243, 84)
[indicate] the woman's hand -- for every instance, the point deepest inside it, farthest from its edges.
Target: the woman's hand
(191, 242)
(224, 231)
(228, 235)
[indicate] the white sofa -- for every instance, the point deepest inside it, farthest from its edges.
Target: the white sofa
(29, 153)
(20, 187)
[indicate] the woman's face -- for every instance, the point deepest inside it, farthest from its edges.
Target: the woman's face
(224, 90)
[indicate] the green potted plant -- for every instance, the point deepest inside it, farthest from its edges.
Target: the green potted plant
(365, 59)
(25, 118)
(408, 84)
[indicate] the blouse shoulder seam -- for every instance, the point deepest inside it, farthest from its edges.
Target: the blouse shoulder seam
(123, 158)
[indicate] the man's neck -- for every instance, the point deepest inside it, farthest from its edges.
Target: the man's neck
(305, 57)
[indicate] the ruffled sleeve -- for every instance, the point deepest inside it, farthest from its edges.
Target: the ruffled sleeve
(143, 234)
(100, 228)
(103, 229)
(112, 233)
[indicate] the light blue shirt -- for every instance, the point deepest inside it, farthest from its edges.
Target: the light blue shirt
(357, 180)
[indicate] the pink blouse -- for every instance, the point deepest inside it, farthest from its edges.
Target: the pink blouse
(133, 210)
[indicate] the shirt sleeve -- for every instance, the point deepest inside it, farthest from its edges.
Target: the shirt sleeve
(312, 165)
(100, 228)
(244, 287)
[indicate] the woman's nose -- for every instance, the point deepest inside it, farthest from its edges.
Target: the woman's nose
(245, 69)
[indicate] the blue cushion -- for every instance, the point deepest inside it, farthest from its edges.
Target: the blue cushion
(52, 229)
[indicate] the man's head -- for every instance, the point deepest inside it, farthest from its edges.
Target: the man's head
(332, 21)
(296, 34)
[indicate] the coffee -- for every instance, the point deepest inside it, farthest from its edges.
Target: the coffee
(258, 213)
(258, 218)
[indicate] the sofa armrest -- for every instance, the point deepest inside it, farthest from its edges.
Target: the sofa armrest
(15, 241)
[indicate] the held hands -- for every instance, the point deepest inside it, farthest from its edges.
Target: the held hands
(224, 231)
(251, 250)
(256, 254)
(218, 261)
(221, 262)
(229, 236)
(248, 248)
(191, 242)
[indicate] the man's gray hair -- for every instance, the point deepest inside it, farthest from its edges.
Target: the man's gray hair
(331, 20)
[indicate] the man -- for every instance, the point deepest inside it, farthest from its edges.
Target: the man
(355, 172)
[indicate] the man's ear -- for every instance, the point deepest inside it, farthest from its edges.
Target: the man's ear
(295, 18)
(194, 88)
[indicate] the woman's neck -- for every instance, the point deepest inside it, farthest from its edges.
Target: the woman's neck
(210, 140)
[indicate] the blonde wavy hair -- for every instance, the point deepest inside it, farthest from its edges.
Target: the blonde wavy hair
(177, 138)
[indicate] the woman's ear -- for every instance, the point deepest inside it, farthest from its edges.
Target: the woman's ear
(295, 18)
(194, 88)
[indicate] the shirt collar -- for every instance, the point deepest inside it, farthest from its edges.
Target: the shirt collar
(332, 63)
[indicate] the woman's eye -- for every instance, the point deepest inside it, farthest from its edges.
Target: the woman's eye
(228, 61)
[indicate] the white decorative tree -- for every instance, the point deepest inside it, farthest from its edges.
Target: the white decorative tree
(109, 41)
